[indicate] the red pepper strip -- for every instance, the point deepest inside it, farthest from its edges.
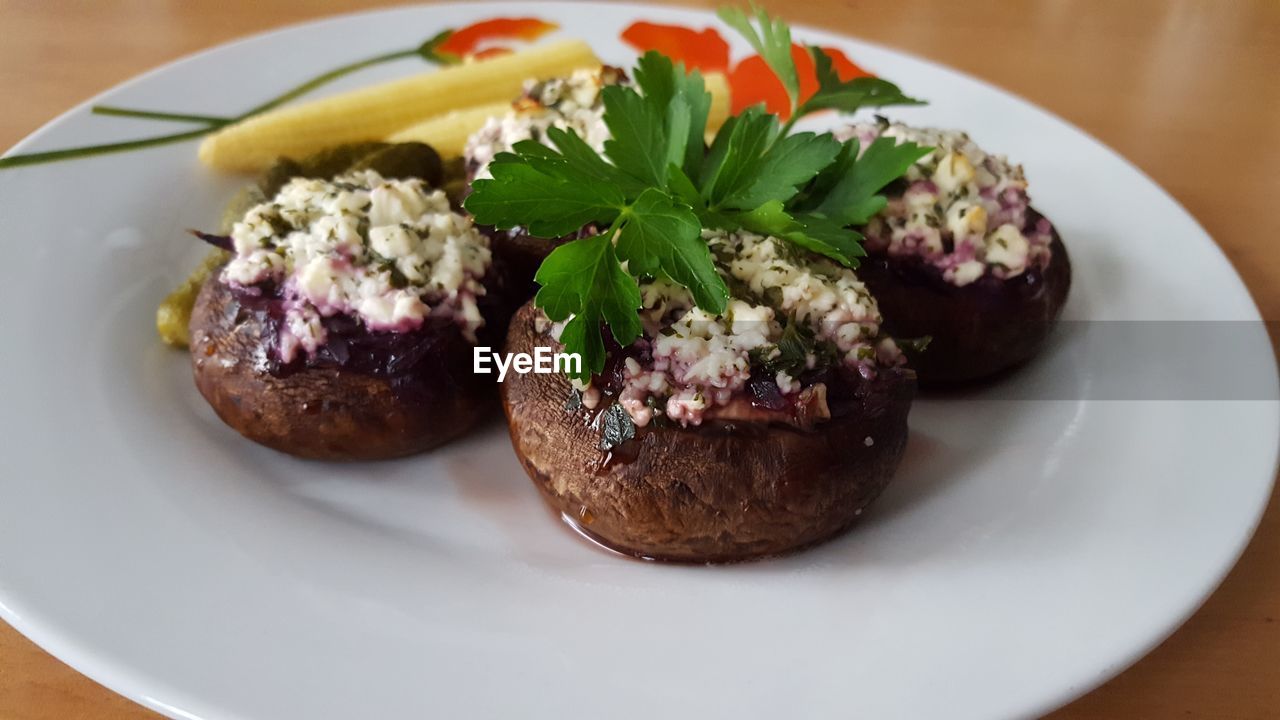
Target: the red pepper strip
(753, 82)
(465, 40)
(492, 53)
(702, 50)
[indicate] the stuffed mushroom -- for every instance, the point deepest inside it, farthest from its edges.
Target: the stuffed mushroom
(343, 323)
(959, 256)
(737, 396)
(717, 438)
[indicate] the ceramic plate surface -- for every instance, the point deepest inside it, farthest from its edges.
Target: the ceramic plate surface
(1028, 549)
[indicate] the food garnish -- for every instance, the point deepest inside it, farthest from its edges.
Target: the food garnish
(389, 253)
(657, 186)
(572, 102)
(773, 42)
(963, 210)
(750, 78)
(450, 47)
(961, 256)
(701, 50)
(378, 111)
(173, 316)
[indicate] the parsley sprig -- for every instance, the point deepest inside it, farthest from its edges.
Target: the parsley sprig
(658, 185)
(773, 42)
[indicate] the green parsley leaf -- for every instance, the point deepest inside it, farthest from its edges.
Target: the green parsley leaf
(678, 122)
(661, 124)
(790, 162)
(808, 230)
(652, 136)
(772, 41)
(836, 94)
(814, 192)
(543, 191)
(657, 186)
(583, 278)
(851, 199)
(587, 161)
(683, 189)
(733, 161)
(664, 236)
(749, 163)
(827, 237)
(636, 132)
(688, 104)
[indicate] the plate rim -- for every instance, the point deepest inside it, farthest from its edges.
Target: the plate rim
(131, 682)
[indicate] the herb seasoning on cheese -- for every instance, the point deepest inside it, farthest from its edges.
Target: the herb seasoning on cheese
(390, 253)
(720, 271)
(963, 210)
(791, 313)
(568, 103)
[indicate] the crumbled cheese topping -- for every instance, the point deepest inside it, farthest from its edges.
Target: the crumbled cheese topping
(568, 103)
(693, 364)
(964, 211)
(390, 253)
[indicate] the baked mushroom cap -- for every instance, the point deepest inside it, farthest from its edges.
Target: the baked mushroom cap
(343, 324)
(718, 492)
(331, 413)
(958, 255)
(977, 330)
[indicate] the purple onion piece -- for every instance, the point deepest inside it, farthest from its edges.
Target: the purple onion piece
(766, 394)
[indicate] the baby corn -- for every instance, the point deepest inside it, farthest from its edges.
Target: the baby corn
(448, 133)
(378, 111)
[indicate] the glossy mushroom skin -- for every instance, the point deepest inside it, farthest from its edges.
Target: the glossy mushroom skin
(976, 331)
(720, 492)
(330, 413)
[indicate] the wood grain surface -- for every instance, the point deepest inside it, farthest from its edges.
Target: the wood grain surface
(1189, 90)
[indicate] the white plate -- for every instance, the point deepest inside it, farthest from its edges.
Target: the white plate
(1027, 551)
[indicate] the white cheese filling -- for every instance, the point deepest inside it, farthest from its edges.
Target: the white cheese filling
(390, 253)
(569, 103)
(700, 363)
(964, 211)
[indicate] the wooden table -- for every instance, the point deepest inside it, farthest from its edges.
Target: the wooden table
(1189, 90)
